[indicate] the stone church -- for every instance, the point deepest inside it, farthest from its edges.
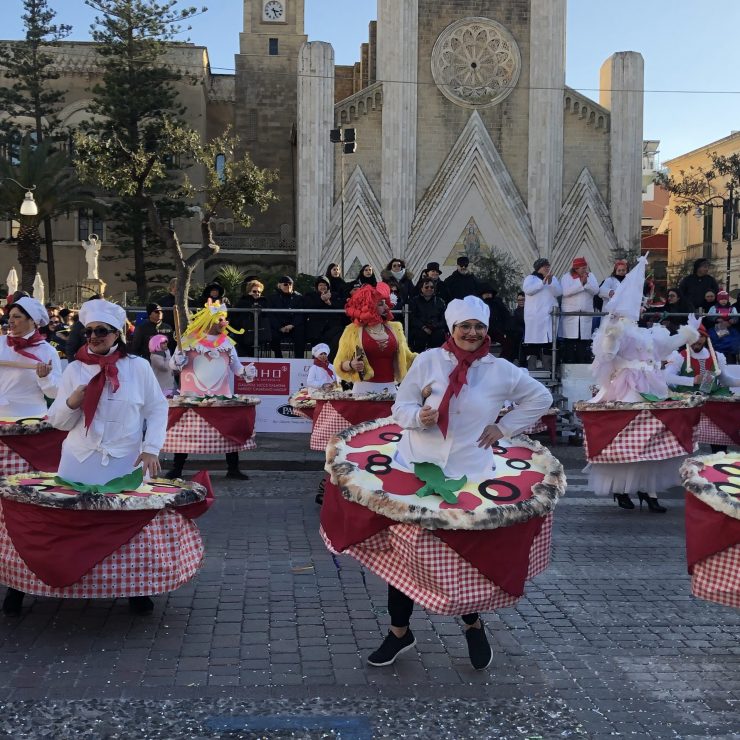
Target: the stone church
(467, 138)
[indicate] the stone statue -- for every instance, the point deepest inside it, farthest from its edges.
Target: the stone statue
(12, 281)
(92, 250)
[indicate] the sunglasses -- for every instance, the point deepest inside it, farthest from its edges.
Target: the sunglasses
(100, 331)
(256, 292)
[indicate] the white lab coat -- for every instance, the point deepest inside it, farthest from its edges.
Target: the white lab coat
(609, 285)
(729, 374)
(22, 391)
(130, 421)
(577, 297)
(317, 376)
(491, 382)
(539, 302)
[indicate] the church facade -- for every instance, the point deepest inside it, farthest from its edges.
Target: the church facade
(467, 137)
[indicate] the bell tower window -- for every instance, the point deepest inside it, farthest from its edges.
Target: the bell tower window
(273, 47)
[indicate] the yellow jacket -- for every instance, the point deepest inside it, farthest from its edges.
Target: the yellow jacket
(349, 342)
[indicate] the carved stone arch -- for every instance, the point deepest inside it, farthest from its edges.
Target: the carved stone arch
(365, 234)
(472, 182)
(584, 229)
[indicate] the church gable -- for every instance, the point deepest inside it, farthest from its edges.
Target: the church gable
(585, 229)
(365, 235)
(473, 183)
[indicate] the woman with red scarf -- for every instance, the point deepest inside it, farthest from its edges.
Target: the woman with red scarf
(449, 403)
(110, 402)
(29, 365)
(321, 374)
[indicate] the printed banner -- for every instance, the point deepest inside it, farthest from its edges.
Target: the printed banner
(276, 380)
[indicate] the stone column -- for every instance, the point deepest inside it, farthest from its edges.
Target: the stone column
(315, 155)
(622, 91)
(398, 44)
(547, 84)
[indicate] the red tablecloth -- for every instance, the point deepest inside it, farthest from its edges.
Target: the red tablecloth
(725, 416)
(41, 451)
(331, 417)
(210, 431)
(617, 436)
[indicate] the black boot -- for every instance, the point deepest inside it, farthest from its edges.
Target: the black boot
(652, 502)
(624, 501)
(141, 604)
(232, 467)
(13, 602)
(177, 466)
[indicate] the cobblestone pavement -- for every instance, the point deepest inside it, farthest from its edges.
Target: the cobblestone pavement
(270, 639)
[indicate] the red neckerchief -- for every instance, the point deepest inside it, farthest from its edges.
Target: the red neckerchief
(20, 344)
(108, 371)
(459, 376)
(323, 364)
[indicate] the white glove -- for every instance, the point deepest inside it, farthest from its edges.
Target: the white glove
(689, 333)
(249, 373)
(180, 360)
(694, 321)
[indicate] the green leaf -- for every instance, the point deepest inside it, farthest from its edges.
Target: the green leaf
(436, 482)
(129, 482)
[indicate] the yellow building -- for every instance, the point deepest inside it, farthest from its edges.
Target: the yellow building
(699, 233)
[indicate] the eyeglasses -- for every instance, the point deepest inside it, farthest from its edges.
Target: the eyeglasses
(477, 328)
(256, 292)
(100, 331)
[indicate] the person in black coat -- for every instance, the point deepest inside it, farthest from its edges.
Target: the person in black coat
(322, 326)
(151, 325)
(215, 292)
(462, 282)
(286, 326)
(367, 276)
(498, 327)
(337, 285)
(427, 326)
(675, 303)
(251, 297)
(396, 270)
(694, 287)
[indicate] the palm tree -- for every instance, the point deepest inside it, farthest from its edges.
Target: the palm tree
(57, 191)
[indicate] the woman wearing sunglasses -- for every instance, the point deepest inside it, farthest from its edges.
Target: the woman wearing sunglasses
(34, 370)
(110, 402)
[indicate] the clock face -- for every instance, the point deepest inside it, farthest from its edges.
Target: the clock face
(273, 11)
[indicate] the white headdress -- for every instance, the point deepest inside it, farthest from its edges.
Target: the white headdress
(34, 309)
(103, 311)
(470, 307)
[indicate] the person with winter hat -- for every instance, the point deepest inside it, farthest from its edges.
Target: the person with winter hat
(579, 288)
(29, 365)
(542, 290)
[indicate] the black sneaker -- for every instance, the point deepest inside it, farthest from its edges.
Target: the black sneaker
(236, 475)
(478, 648)
(13, 602)
(391, 648)
(141, 604)
(173, 474)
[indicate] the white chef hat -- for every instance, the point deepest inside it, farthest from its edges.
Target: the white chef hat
(103, 311)
(470, 307)
(318, 349)
(34, 309)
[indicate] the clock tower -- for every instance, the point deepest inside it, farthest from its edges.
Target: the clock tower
(266, 106)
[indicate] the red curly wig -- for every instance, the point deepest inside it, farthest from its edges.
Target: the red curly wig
(362, 307)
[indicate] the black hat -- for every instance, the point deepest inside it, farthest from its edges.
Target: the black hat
(286, 279)
(150, 307)
(463, 260)
(541, 262)
(433, 266)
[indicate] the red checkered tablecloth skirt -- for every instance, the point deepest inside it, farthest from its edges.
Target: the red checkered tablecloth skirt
(163, 556)
(709, 433)
(431, 573)
(643, 439)
(11, 463)
(193, 434)
(328, 421)
(717, 578)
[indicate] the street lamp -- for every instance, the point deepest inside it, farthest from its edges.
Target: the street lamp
(28, 206)
(347, 138)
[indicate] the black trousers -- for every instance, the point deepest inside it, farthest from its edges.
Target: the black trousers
(232, 461)
(400, 608)
(577, 351)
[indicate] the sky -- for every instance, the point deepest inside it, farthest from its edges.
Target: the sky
(691, 76)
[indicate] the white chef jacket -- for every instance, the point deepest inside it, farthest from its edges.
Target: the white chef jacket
(117, 430)
(491, 381)
(317, 376)
(610, 284)
(729, 374)
(540, 299)
(577, 297)
(22, 391)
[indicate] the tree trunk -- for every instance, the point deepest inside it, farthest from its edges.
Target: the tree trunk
(29, 253)
(139, 262)
(51, 274)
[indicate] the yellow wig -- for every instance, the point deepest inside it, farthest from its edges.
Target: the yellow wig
(202, 321)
